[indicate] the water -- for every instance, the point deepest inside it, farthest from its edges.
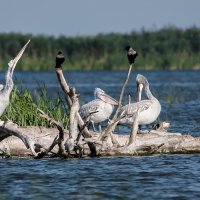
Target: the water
(149, 177)
(155, 177)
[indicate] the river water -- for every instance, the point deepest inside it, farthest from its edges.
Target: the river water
(149, 177)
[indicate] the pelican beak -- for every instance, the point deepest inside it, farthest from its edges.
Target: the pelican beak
(13, 62)
(108, 99)
(139, 91)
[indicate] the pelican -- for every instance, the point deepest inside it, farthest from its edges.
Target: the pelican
(99, 109)
(149, 109)
(5, 91)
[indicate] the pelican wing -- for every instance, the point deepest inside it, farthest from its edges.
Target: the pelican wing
(145, 104)
(132, 108)
(91, 107)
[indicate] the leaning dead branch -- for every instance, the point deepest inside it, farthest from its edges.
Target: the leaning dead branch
(58, 140)
(116, 118)
(134, 128)
(8, 129)
(66, 90)
(122, 93)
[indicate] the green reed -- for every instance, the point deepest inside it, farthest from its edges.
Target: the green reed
(23, 108)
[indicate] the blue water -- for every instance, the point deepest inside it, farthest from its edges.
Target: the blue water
(148, 177)
(155, 177)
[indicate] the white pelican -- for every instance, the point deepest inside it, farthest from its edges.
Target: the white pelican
(149, 109)
(5, 91)
(99, 109)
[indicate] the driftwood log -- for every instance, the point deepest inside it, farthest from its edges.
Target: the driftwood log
(23, 140)
(78, 141)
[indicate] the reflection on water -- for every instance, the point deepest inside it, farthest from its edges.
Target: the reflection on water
(153, 177)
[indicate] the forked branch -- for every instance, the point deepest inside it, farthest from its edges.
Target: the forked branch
(66, 89)
(59, 139)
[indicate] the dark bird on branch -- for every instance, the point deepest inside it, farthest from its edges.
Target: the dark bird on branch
(131, 54)
(60, 59)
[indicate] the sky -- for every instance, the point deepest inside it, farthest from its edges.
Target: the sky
(90, 17)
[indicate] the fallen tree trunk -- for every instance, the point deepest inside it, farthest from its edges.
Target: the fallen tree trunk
(154, 142)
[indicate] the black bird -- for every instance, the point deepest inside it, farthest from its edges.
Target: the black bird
(60, 59)
(131, 54)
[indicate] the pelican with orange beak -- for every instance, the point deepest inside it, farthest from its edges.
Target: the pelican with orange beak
(100, 109)
(149, 109)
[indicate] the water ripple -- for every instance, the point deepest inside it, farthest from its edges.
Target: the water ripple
(108, 178)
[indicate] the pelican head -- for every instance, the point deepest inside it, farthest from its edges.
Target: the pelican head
(100, 94)
(141, 82)
(97, 92)
(13, 62)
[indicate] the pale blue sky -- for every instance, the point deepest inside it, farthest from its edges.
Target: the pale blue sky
(90, 17)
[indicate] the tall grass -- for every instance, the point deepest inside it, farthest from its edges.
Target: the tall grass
(23, 108)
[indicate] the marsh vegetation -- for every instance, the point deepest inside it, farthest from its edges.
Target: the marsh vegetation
(22, 109)
(168, 48)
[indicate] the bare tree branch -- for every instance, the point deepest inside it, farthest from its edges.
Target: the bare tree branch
(66, 90)
(65, 87)
(122, 93)
(58, 139)
(134, 128)
(113, 123)
(9, 129)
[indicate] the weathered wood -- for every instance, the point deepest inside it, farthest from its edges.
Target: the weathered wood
(58, 140)
(116, 118)
(66, 89)
(15, 142)
(73, 121)
(122, 93)
(10, 129)
(155, 142)
(73, 118)
(134, 129)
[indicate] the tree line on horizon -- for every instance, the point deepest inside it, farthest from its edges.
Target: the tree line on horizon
(168, 48)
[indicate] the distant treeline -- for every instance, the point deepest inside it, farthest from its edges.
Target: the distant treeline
(168, 48)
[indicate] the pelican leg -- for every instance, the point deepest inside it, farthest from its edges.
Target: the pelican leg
(109, 120)
(88, 126)
(99, 127)
(155, 126)
(93, 126)
(139, 129)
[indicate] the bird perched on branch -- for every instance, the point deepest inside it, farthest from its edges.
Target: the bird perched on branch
(60, 59)
(131, 54)
(6, 90)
